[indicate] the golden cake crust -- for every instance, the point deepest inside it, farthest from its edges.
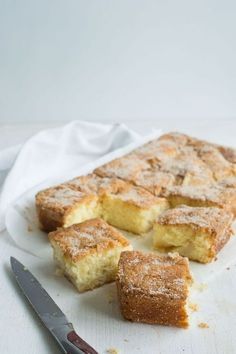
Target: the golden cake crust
(186, 170)
(134, 195)
(54, 204)
(208, 195)
(126, 167)
(86, 238)
(211, 219)
(154, 180)
(94, 184)
(153, 289)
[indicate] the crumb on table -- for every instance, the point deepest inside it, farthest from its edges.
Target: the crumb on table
(112, 351)
(203, 325)
(193, 307)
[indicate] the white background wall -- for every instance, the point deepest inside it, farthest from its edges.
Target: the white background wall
(117, 60)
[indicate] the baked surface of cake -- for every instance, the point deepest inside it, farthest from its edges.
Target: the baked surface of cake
(153, 289)
(63, 206)
(198, 233)
(221, 196)
(88, 253)
(175, 166)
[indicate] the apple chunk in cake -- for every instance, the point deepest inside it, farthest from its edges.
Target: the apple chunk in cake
(154, 289)
(88, 253)
(198, 233)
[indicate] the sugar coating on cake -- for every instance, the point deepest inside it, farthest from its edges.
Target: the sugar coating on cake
(208, 195)
(94, 184)
(62, 206)
(154, 180)
(183, 169)
(154, 289)
(126, 167)
(88, 252)
(198, 233)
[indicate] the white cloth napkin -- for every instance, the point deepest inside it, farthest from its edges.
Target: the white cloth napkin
(53, 152)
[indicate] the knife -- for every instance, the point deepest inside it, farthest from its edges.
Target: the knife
(49, 313)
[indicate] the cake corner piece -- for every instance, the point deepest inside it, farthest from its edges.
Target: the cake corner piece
(88, 253)
(154, 289)
(198, 233)
(63, 205)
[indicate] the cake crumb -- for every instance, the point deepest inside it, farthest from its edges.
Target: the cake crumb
(112, 351)
(193, 307)
(59, 272)
(203, 325)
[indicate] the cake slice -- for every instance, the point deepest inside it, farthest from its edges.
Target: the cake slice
(63, 206)
(154, 180)
(131, 208)
(205, 196)
(88, 253)
(154, 289)
(195, 232)
(126, 167)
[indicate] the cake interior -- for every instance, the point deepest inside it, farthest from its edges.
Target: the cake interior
(91, 271)
(83, 211)
(185, 240)
(128, 216)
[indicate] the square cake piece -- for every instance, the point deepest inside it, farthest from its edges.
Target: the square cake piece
(131, 208)
(195, 232)
(63, 206)
(154, 289)
(154, 180)
(88, 253)
(125, 168)
(203, 196)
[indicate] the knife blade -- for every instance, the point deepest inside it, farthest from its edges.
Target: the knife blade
(48, 311)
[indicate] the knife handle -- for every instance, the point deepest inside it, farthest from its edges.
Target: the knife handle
(70, 342)
(80, 343)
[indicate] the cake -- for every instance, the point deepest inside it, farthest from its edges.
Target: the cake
(205, 195)
(63, 206)
(128, 191)
(126, 167)
(132, 208)
(198, 233)
(154, 180)
(88, 253)
(153, 289)
(118, 202)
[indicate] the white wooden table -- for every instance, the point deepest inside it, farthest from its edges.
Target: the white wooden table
(22, 333)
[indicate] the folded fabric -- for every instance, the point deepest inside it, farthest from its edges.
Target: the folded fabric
(53, 152)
